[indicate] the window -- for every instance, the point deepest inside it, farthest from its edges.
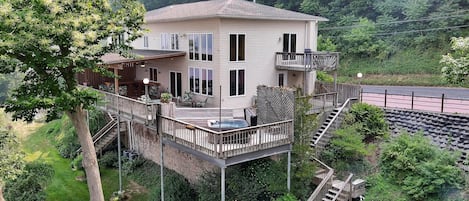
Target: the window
(145, 41)
(237, 47)
(118, 39)
(237, 85)
(289, 45)
(201, 81)
(154, 74)
(282, 79)
(201, 47)
(169, 41)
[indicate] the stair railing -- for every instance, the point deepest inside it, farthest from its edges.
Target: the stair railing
(102, 132)
(332, 122)
(325, 184)
(348, 181)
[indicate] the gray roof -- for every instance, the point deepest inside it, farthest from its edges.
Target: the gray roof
(240, 9)
(140, 55)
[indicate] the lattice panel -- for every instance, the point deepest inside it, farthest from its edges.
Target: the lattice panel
(275, 104)
(325, 61)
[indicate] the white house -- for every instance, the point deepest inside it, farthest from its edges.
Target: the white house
(232, 45)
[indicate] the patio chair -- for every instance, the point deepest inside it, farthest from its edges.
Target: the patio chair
(201, 103)
(186, 99)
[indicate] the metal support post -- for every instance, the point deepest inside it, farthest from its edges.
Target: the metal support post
(442, 101)
(160, 133)
(119, 151)
(385, 97)
(288, 170)
(412, 102)
(223, 184)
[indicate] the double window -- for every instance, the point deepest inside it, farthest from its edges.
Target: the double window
(237, 82)
(201, 80)
(237, 47)
(154, 74)
(289, 46)
(169, 41)
(201, 46)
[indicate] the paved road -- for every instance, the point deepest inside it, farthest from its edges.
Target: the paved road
(457, 93)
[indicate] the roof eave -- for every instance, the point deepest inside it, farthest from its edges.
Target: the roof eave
(318, 19)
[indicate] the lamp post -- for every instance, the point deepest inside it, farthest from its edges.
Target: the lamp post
(146, 81)
(359, 76)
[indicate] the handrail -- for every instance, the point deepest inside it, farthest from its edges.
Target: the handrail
(105, 132)
(105, 127)
(324, 181)
(228, 131)
(333, 119)
(341, 189)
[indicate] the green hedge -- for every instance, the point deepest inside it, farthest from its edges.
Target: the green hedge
(31, 184)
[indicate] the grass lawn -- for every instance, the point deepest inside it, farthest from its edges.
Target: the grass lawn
(39, 146)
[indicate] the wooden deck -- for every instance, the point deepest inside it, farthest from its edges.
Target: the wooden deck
(219, 145)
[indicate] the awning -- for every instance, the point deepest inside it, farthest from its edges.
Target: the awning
(140, 56)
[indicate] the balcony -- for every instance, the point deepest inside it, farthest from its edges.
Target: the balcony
(230, 146)
(324, 61)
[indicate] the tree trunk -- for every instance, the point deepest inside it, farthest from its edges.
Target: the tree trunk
(1, 193)
(90, 162)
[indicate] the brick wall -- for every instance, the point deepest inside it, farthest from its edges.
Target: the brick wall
(147, 145)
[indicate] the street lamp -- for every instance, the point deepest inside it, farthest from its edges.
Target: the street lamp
(146, 81)
(359, 76)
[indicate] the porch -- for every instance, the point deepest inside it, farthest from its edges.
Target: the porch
(129, 74)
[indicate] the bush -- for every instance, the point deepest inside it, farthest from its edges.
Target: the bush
(372, 118)
(423, 170)
(109, 159)
(31, 184)
(77, 163)
(147, 173)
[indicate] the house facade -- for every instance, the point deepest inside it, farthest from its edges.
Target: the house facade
(231, 47)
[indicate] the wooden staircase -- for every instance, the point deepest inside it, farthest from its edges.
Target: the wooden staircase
(106, 135)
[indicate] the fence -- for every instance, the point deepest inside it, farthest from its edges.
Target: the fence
(344, 91)
(414, 102)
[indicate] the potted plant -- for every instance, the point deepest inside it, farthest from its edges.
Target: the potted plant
(166, 97)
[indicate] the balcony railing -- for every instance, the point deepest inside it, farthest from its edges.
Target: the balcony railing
(230, 143)
(223, 144)
(325, 61)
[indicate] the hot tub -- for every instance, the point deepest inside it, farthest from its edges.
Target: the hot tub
(229, 124)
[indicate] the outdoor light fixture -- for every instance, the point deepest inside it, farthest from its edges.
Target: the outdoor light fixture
(142, 64)
(359, 75)
(146, 81)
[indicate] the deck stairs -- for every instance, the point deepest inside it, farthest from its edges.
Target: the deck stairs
(337, 190)
(325, 132)
(107, 134)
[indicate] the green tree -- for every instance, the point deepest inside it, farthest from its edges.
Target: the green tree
(11, 163)
(456, 66)
(423, 170)
(50, 41)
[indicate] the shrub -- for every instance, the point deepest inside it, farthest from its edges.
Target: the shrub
(423, 170)
(77, 163)
(166, 97)
(287, 197)
(129, 166)
(372, 119)
(109, 159)
(31, 184)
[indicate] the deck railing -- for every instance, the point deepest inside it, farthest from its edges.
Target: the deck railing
(319, 60)
(347, 183)
(323, 101)
(230, 143)
(326, 183)
(128, 108)
(344, 91)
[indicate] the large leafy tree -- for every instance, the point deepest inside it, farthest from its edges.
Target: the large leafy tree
(50, 41)
(456, 65)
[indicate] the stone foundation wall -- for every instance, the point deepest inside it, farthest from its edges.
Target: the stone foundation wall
(147, 144)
